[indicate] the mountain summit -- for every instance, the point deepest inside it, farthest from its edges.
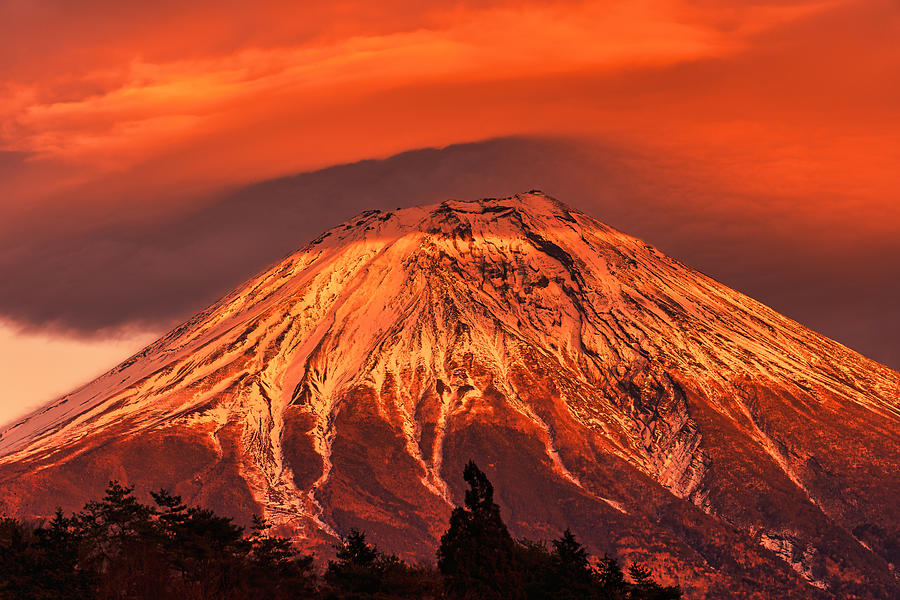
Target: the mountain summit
(601, 384)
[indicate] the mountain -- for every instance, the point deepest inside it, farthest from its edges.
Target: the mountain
(600, 384)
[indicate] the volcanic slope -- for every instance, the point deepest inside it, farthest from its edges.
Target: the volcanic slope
(602, 385)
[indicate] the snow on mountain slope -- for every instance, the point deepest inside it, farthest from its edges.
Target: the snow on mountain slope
(345, 386)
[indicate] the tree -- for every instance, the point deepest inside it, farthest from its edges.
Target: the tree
(610, 578)
(354, 550)
(356, 570)
(121, 544)
(479, 559)
(477, 553)
(645, 588)
(572, 574)
(535, 570)
(118, 547)
(18, 568)
(58, 546)
(362, 571)
(203, 552)
(276, 566)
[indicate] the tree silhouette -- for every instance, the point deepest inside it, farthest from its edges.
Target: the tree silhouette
(58, 548)
(571, 571)
(610, 578)
(122, 544)
(645, 588)
(479, 559)
(477, 553)
(362, 571)
(353, 550)
(274, 565)
(205, 551)
(118, 547)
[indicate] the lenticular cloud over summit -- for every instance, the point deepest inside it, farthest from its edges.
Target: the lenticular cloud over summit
(605, 387)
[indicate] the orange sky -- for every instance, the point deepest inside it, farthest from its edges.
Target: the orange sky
(782, 111)
(805, 93)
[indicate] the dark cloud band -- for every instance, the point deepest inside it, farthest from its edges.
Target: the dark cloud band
(92, 276)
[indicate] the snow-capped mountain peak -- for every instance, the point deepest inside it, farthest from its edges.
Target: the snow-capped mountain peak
(343, 384)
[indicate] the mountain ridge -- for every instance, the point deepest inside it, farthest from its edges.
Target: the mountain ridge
(340, 386)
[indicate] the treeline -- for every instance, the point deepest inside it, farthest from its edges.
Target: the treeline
(119, 548)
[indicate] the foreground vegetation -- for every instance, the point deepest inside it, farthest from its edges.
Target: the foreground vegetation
(117, 548)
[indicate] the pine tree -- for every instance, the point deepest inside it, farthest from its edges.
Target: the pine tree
(645, 588)
(58, 546)
(17, 565)
(356, 571)
(477, 553)
(362, 571)
(355, 551)
(571, 568)
(122, 544)
(610, 579)
(202, 550)
(117, 547)
(275, 566)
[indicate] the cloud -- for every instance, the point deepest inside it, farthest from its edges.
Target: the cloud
(112, 272)
(308, 93)
(757, 141)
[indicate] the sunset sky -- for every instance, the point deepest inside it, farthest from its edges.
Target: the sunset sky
(154, 155)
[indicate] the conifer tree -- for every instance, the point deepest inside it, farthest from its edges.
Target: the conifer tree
(610, 579)
(362, 571)
(274, 565)
(57, 546)
(17, 564)
(645, 588)
(477, 553)
(572, 573)
(356, 570)
(355, 551)
(117, 547)
(121, 544)
(201, 548)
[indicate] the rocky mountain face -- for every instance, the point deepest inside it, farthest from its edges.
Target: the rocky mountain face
(601, 385)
